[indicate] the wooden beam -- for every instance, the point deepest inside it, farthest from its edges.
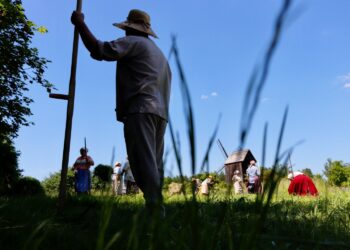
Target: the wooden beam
(70, 108)
(59, 96)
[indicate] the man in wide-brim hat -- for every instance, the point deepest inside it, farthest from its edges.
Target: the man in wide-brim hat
(143, 90)
(137, 20)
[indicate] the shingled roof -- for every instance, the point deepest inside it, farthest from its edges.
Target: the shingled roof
(238, 156)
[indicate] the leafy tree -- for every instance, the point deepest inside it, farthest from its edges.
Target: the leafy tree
(337, 172)
(102, 176)
(52, 183)
(308, 172)
(20, 65)
(104, 172)
(318, 176)
(9, 171)
(28, 186)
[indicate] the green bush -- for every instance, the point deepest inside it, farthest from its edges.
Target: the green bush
(102, 176)
(52, 183)
(103, 172)
(28, 186)
(308, 172)
(338, 173)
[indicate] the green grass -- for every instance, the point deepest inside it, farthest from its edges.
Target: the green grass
(220, 222)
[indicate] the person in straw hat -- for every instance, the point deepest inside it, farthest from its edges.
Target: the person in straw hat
(143, 91)
(237, 182)
(117, 184)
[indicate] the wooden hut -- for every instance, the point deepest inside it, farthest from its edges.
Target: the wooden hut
(238, 160)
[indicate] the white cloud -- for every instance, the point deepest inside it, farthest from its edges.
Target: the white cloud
(344, 78)
(207, 96)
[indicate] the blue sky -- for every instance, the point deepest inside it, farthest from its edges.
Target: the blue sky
(219, 42)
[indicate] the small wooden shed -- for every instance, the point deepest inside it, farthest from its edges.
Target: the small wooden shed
(238, 160)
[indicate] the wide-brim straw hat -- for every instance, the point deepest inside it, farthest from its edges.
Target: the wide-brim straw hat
(137, 20)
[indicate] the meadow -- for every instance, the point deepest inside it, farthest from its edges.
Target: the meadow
(222, 221)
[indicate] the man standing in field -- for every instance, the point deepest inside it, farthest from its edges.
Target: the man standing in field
(253, 173)
(143, 90)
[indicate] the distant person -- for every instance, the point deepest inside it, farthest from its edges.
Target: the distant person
(117, 183)
(82, 175)
(129, 181)
(143, 92)
(237, 183)
(196, 184)
(253, 174)
(205, 186)
(301, 184)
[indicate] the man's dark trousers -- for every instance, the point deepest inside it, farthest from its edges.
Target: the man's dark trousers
(144, 138)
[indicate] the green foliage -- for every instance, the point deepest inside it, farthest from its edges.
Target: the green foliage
(337, 172)
(293, 223)
(102, 176)
(20, 65)
(9, 171)
(103, 172)
(266, 173)
(308, 172)
(52, 183)
(42, 29)
(28, 186)
(318, 177)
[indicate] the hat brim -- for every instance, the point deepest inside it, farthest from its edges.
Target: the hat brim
(135, 26)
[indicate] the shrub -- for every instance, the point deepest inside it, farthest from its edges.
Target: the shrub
(28, 186)
(337, 172)
(102, 176)
(52, 183)
(308, 172)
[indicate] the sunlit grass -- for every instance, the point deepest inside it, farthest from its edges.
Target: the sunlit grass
(93, 222)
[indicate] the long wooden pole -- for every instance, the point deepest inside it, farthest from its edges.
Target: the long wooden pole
(69, 118)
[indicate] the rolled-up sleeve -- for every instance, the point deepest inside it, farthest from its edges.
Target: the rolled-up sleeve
(112, 51)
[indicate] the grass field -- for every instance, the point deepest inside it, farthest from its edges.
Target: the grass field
(221, 222)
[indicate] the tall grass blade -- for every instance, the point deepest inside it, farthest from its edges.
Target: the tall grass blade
(188, 110)
(264, 145)
(113, 156)
(205, 161)
(263, 201)
(177, 154)
(260, 74)
(104, 221)
(37, 236)
(110, 243)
